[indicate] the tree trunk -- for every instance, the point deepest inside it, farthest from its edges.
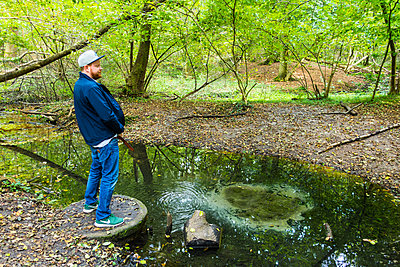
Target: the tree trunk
(366, 62)
(333, 71)
(398, 81)
(283, 66)
(142, 160)
(11, 50)
(393, 89)
(387, 12)
(380, 72)
(135, 81)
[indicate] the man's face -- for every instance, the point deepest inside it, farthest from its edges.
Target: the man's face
(94, 70)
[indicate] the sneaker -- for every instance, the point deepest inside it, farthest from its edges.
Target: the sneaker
(91, 207)
(110, 221)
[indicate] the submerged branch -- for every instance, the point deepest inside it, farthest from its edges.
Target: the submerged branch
(42, 159)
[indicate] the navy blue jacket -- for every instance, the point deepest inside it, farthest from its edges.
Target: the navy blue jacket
(99, 115)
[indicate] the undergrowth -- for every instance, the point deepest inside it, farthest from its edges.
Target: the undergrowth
(222, 90)
(225, 90)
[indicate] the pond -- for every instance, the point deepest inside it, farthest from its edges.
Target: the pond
(363, 218)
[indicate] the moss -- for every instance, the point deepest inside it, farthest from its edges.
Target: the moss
(261, 204)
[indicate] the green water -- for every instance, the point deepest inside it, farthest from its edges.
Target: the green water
(261, 207)
(363, 217)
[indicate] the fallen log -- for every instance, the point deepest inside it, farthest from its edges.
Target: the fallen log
(39, 113)
(350, 110)
(359, 138)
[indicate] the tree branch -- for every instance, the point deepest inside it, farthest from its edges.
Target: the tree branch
(17, 72)
(209, 116)
(347, 108)
(359, 138)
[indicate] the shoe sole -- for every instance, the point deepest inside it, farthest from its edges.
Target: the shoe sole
(88, 211)
(107, 225)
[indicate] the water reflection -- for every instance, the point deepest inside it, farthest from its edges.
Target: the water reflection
(364, 219)
(141, 160)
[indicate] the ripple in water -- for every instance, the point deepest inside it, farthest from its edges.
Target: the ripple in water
(182, 201)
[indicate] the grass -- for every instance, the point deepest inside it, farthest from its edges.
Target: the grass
(225, 89)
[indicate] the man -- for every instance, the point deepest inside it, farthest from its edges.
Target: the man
(100, 120)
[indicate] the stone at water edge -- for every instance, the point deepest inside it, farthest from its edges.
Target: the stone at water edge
(200, 234)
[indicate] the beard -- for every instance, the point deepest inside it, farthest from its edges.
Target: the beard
(96, 75)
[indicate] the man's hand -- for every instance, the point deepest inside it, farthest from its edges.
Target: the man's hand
(125, 142)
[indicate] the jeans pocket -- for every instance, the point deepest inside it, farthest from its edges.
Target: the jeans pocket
(109, 150)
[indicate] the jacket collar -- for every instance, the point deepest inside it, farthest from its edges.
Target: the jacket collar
(85, 76)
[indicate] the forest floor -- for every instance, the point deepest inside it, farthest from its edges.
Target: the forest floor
(35, 234)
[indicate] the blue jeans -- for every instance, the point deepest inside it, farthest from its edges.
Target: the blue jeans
(103, 177)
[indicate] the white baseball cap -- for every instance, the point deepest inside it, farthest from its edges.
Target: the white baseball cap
(88, 57)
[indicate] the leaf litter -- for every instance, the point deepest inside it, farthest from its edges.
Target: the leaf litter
(33, 233)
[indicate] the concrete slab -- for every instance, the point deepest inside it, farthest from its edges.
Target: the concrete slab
(131, 209)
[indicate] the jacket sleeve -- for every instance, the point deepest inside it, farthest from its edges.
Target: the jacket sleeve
(103, 109)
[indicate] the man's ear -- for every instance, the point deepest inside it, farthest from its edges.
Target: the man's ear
(86, 68)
